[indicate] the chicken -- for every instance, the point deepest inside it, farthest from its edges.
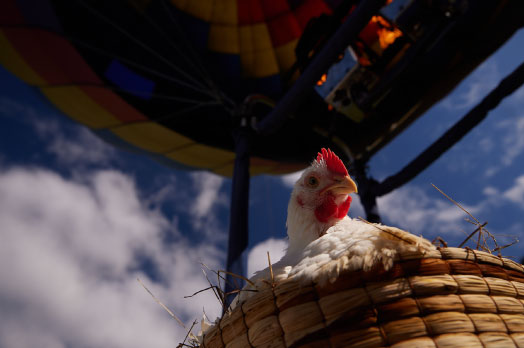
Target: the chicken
(323, 240)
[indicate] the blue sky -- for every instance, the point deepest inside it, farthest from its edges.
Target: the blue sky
(81, 220)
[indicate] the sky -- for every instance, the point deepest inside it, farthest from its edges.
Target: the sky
(80, 220)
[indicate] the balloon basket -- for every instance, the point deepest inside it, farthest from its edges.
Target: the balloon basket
(449, 297)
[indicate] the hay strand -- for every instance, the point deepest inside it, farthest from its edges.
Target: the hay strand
(483, 235)
(162, 305)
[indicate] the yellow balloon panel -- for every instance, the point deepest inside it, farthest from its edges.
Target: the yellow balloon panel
(202, 156)
(261, 37)
(265, 64)
(247, 50)
(286, 56)
(79, 106)
(256, 51)
(151, 136)
(286, 169)
(10, 59)
(225, 12)
(224, 39)
(180, 4)
(202, 9)
(226, 170)
(245, 35)
(259, 165)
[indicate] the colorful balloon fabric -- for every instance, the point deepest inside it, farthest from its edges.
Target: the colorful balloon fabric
(158, 77)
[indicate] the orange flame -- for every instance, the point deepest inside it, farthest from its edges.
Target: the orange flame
(387, 34)
(322, 80)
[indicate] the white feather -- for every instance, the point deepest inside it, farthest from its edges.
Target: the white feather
(349, 245)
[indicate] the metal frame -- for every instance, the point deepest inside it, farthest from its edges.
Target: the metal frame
(369, 189)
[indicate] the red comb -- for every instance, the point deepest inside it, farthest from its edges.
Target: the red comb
(333, 163)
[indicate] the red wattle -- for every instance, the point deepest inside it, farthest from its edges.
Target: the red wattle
(328, 209)
(344, 208)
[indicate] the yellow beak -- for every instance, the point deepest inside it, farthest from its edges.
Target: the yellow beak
(343, 185)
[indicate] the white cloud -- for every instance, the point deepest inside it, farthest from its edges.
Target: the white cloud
(512, 140)
(490, 171)
(204, 209)
(290, 179)
(509, 144)
(516, 193)
(72, 144)
(490, 191)
(69, 260)
(412, 209)
(486, 145)
(257, 257)
(167, 191)
(12, 108)
(208, 186)
(80, 147)
(517, 97)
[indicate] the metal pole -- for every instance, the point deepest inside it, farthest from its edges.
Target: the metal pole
(238, 218)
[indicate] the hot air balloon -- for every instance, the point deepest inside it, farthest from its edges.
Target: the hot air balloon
(250, 86)
(171, 78)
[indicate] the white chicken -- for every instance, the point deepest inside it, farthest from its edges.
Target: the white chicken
(323, 240)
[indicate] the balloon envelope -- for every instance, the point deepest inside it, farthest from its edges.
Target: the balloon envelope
(169, 78)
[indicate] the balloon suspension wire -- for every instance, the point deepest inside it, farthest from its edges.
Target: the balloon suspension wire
(146, 94)
(140, 66)
(140, 93)
(180, 112)
(195, 83)
(194, 60)
(228, 102)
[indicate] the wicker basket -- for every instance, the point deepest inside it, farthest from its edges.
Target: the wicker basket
(448, 298)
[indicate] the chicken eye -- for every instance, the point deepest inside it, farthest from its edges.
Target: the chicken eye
(312, 182)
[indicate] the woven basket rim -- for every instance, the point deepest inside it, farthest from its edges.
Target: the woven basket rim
(473, 289)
